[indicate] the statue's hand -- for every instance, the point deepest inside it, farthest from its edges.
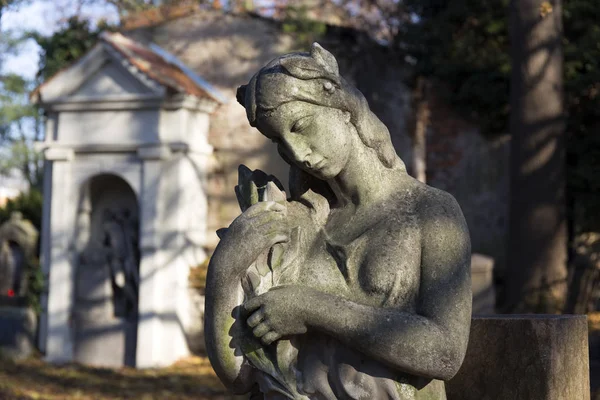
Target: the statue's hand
(277, 313)
(254, 231)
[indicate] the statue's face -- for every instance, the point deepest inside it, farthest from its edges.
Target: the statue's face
(317, 139)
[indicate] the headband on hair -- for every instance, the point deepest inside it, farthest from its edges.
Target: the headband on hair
(314, 78)
(318, 64)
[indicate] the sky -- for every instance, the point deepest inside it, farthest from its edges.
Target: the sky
(45, 17)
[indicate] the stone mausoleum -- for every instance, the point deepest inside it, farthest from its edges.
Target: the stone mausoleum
(124, 214)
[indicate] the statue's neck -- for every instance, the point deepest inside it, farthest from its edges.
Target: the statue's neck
(365, 180)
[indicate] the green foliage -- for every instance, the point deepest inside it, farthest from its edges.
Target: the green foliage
(582, 87)
(128, 7)
(20, 127)
(29, 204)
(66, 45)
(13, 102)
(303, 29)
(464, 45)
(35, 285)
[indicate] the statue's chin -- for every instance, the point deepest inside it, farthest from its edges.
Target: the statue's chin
(319, 171)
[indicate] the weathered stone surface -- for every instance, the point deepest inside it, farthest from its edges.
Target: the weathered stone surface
(533, 357)
(357, 284)
(17, 331)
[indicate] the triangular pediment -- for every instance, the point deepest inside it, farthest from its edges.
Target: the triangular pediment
(99, 74)
(110, 80)
(120, 72)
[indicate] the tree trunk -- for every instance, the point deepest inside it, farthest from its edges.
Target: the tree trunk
(537, 248)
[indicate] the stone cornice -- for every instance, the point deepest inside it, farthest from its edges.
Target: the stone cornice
(131, 102)
(55, 151)
(59, 154)
(106, 103)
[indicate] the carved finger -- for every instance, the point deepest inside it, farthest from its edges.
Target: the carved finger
(270, 337)
(274, 232)
(261, 330)
(274, 226)
(266, 217)
(256, 318)
(252, 304)
(263, 218)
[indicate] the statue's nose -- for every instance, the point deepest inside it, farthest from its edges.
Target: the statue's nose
(298, 150)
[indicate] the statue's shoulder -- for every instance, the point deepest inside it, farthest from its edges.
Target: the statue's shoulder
(441, 219)
(430, 201)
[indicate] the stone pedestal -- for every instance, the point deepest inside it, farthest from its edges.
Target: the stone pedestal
(482, 281)
(533, 357)
(17, 331)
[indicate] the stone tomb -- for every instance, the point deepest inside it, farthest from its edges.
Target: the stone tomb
(124, 214)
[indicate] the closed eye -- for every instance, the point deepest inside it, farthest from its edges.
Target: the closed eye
(301, 124)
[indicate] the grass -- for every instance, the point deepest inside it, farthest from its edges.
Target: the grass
(192, 378)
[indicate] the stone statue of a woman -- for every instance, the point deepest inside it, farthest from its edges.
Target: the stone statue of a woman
(357, 286)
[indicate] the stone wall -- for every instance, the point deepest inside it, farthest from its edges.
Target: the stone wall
(475, 170)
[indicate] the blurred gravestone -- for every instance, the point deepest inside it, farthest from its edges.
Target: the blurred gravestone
(482, 280)
(18, 323)
(533, 357)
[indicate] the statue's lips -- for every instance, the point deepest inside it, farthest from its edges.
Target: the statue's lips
(318, 165)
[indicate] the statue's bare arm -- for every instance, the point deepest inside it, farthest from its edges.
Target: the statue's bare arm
(223, 295)
(256, 230)
(431, 342)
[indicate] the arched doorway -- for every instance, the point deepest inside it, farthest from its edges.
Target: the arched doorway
(105, 312)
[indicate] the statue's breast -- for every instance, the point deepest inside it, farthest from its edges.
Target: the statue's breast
(375, 263)
(390, 269)
(320, 270)
(381, 265)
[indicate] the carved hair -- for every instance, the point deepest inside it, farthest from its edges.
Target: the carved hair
(314, 78)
